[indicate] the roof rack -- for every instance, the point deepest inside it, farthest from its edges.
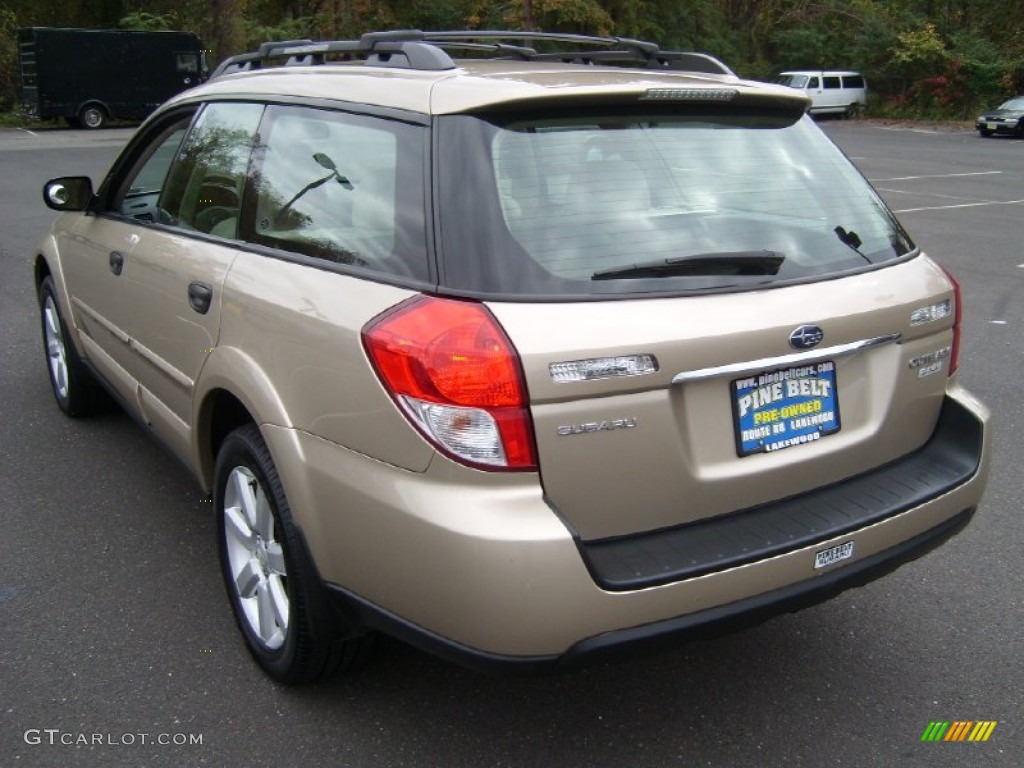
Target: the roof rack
(415, 49)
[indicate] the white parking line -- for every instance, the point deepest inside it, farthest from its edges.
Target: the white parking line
(964, 205)
(920, 130)
(917, 193)
(937, 176)
(30, 133)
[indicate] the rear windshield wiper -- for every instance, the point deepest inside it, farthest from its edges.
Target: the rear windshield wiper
(728, 263)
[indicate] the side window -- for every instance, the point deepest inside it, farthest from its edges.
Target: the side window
(138, 194)
(204, 191)
(813, 83)
(341, 187)
(853, 81)
(832, 82)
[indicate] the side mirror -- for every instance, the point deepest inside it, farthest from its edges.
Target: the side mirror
(68, 193)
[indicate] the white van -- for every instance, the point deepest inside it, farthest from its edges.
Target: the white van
(831, 92)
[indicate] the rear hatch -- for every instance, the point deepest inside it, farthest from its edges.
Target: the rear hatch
(725, 414)
(713, 309)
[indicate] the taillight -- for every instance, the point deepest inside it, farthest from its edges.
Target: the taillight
(453, 371)
(954, 355)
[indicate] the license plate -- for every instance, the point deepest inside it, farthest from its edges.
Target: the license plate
(781, 409)
(992, 126)
(833, 555)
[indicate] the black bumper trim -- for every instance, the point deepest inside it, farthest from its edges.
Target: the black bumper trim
(950, 458)
(701, 625)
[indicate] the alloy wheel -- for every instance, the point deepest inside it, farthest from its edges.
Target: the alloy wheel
(256, 558)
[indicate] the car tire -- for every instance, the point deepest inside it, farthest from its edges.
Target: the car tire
(984, 133)
(853, 111)
(92, 116)
(74, 388)
(275, 592)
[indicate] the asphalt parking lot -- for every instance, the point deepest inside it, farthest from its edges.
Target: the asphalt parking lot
(118, 636)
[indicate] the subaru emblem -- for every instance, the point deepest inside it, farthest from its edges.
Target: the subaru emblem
(806, 336)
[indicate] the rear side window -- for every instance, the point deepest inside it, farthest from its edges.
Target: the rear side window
(832, 82)
(340, 187)
(614, 204)
(853, 81)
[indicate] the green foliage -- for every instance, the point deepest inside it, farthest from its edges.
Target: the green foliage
(8, 58)
(920, 57)
(153, 22)
(919, 48)
(287, 29)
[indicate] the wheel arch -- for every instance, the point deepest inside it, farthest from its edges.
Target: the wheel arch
(47, 264)
(233, 390)
(41, 270)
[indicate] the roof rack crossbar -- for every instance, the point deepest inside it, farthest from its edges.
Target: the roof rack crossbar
(415, 49)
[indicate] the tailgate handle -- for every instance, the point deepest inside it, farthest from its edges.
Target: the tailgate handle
(199, 297)
(116, 262)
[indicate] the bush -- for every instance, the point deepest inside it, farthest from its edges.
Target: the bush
(8, 59)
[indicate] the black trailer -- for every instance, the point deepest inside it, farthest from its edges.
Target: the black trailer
(89, 76)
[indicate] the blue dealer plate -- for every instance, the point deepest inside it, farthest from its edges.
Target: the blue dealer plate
(780, 409)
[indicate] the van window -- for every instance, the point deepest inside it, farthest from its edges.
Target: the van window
(187, 63)
(793, 81)
(853, 81)
(813, 83)
(832, 82)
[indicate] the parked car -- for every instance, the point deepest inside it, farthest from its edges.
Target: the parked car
(1008, 119)
(524, 360)
(832, 92)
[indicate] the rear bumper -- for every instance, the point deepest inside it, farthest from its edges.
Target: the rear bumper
(663, 634)
(948, 460)
(477, 568)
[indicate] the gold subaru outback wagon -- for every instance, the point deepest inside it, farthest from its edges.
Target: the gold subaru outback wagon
(523, 348)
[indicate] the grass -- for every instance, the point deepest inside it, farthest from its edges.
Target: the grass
(15, 119)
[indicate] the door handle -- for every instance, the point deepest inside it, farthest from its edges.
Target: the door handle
(116, 262)
(199, 297)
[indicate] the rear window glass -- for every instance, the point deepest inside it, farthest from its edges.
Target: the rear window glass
(614, 204)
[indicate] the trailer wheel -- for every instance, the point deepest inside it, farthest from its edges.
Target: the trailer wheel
(92, 116)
